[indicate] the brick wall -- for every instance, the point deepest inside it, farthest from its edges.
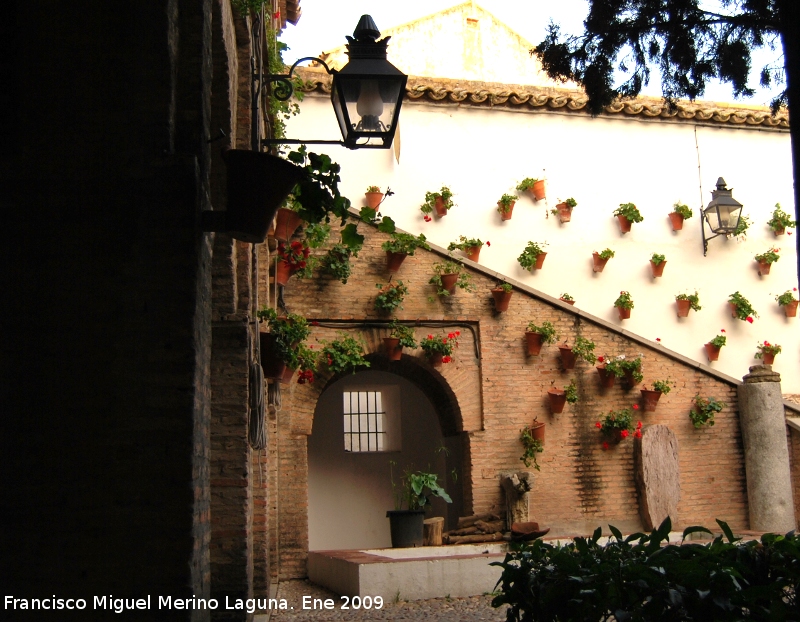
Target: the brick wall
(580, 485)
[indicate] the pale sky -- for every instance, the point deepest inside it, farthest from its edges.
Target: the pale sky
(325, 23)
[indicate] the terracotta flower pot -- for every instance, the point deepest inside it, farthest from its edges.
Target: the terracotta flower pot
(506, 215)
(288, 374)
(557, 400)
(712, 352)
(435, 359)
(763, 268)
(677, 221)
(537, 190)
(449, 282)
(778, 232)
(650, 399)
(569, 302)
(438, 205)
(286, 223)
(394, 260)
(791, 309)
(733, 307)
(272, 366)
(564, 212)
(607, 379)
(534, 341)
(657, 270)
(373, 199)
(628, 381)
(539, 261)
(624, 223)
(393, 348)
(684, 306)
(768, 359)
(473, 253)
(598, 263)
(283, 272)
(624, 314)
(537, 431)
(501, 299)
(568, 359)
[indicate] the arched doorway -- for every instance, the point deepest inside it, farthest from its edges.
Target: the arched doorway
(350, 451)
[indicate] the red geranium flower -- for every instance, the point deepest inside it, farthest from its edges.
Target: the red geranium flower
(605, 445)
(446, 359)
(639, 426)
(600, 359)
(637, 434)
(458, 333)
(623, 433)
(636, 406)
(488, 243)
(658, 338)
(750, 319)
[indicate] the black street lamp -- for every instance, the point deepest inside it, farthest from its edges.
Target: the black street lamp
(366, 93)
(722, 214)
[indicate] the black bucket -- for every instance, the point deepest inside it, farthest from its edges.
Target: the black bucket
(258, 184)
(406, 527)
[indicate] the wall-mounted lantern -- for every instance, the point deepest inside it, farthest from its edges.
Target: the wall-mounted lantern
(722, 214)
(366, 93)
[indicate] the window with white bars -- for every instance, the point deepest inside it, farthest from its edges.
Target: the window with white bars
(365, 421)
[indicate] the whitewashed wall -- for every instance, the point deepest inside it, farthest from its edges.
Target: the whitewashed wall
(481, 154)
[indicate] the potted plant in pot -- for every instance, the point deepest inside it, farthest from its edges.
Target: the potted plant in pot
(414, 490)
(337, 262)
(766, 259)
(650, 397)
(624, 304)
(390, 297)
(558, 397)
(502, 296)
(703, 411)
(563, 210)
(440, 202)
(627, 214)
(741, 308)
(583, 349)
(281, 346)
(534, 186)
(767, 352)
(715, 345)
(400, 246)
(780, 221)
(533, 256)
(471, 247)
(686, 303)
(631, 370)
(439, 349)
(290, 259)
(505, 206)
(679, 213)
(600, 259)
(531, 447)
(374, 197)
(400, 336)
(657, 264)
(618, 425)
(344, 354)
(449, 275)
(535, 336)
(565, 297)
(789, 302)
(608, 370)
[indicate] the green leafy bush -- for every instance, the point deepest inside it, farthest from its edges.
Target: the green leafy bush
(644, 578)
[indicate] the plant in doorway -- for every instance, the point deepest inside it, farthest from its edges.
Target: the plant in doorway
(414, 490)
(531, 446)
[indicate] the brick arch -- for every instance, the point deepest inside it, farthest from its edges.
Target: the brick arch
(443, 389)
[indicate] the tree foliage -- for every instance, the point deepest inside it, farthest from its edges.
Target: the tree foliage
(687, 41)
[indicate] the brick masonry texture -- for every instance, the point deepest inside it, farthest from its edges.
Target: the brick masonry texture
(495, 394)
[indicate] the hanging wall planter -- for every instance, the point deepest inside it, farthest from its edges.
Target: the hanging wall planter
(532, 258)
(257, 185)
(607, 378)
(568, 358)
(393, 348)
(650, 399)
(557, 398)
(712, 351)
(657, 265)
(449, 282)
(680, 212)
(537, 430)
(676, 220)
(271, 363)
(599, 260)
(627, 214)
(505, 206)
(286, 223)
(283, 272)
(684, 306)
(373, 197)
(624, 314)
(624, 224)
(533, 342)
(394, 261)
(502, 297)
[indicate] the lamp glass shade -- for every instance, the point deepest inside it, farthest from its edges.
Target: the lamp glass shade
(367, 107)
(723, 218)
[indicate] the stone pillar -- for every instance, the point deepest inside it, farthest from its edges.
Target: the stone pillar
(766, 452)
(516, 487)
(657, 474)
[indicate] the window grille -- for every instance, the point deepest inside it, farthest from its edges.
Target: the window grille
(364, 421)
